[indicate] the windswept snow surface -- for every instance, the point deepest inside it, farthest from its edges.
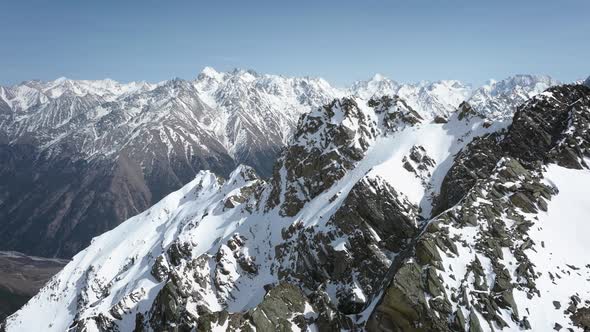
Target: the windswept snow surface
(441, 142)
(559, 255)
(120, 258)
(562, 250)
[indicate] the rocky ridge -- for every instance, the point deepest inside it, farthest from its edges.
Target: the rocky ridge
(475, 266)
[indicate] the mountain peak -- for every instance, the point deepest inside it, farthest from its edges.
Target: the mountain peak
(247, 75)
(211, 73)
(524, 80)
(378, 77)
(587, 82)
(61, 80)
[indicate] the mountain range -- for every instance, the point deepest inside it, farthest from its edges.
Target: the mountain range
(388, 207)
(79, 157)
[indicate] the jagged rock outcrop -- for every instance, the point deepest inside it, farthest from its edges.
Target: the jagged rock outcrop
(475, 162)
(535, 134)
(327, 143)
(559, 135)
(469, 289)
(471, 259)
(351, 252)
(332, 141)
(419, 164)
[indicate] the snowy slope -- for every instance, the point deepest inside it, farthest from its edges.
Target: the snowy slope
(125, 268)
(561, 259)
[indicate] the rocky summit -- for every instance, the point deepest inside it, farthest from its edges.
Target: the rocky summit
(377, 215)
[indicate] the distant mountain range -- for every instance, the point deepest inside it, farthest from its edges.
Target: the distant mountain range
(79, 157)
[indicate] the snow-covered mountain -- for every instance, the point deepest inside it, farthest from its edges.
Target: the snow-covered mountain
(374, 217)
(500, 97)
(246, 113)
(441, 98)
(433, 99)
(79, 157)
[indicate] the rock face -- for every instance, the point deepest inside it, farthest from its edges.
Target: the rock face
(330, 140)
(473, 264)
(374, 218)
(475, 162)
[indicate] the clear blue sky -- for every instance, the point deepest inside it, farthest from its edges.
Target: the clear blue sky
(341, 41)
